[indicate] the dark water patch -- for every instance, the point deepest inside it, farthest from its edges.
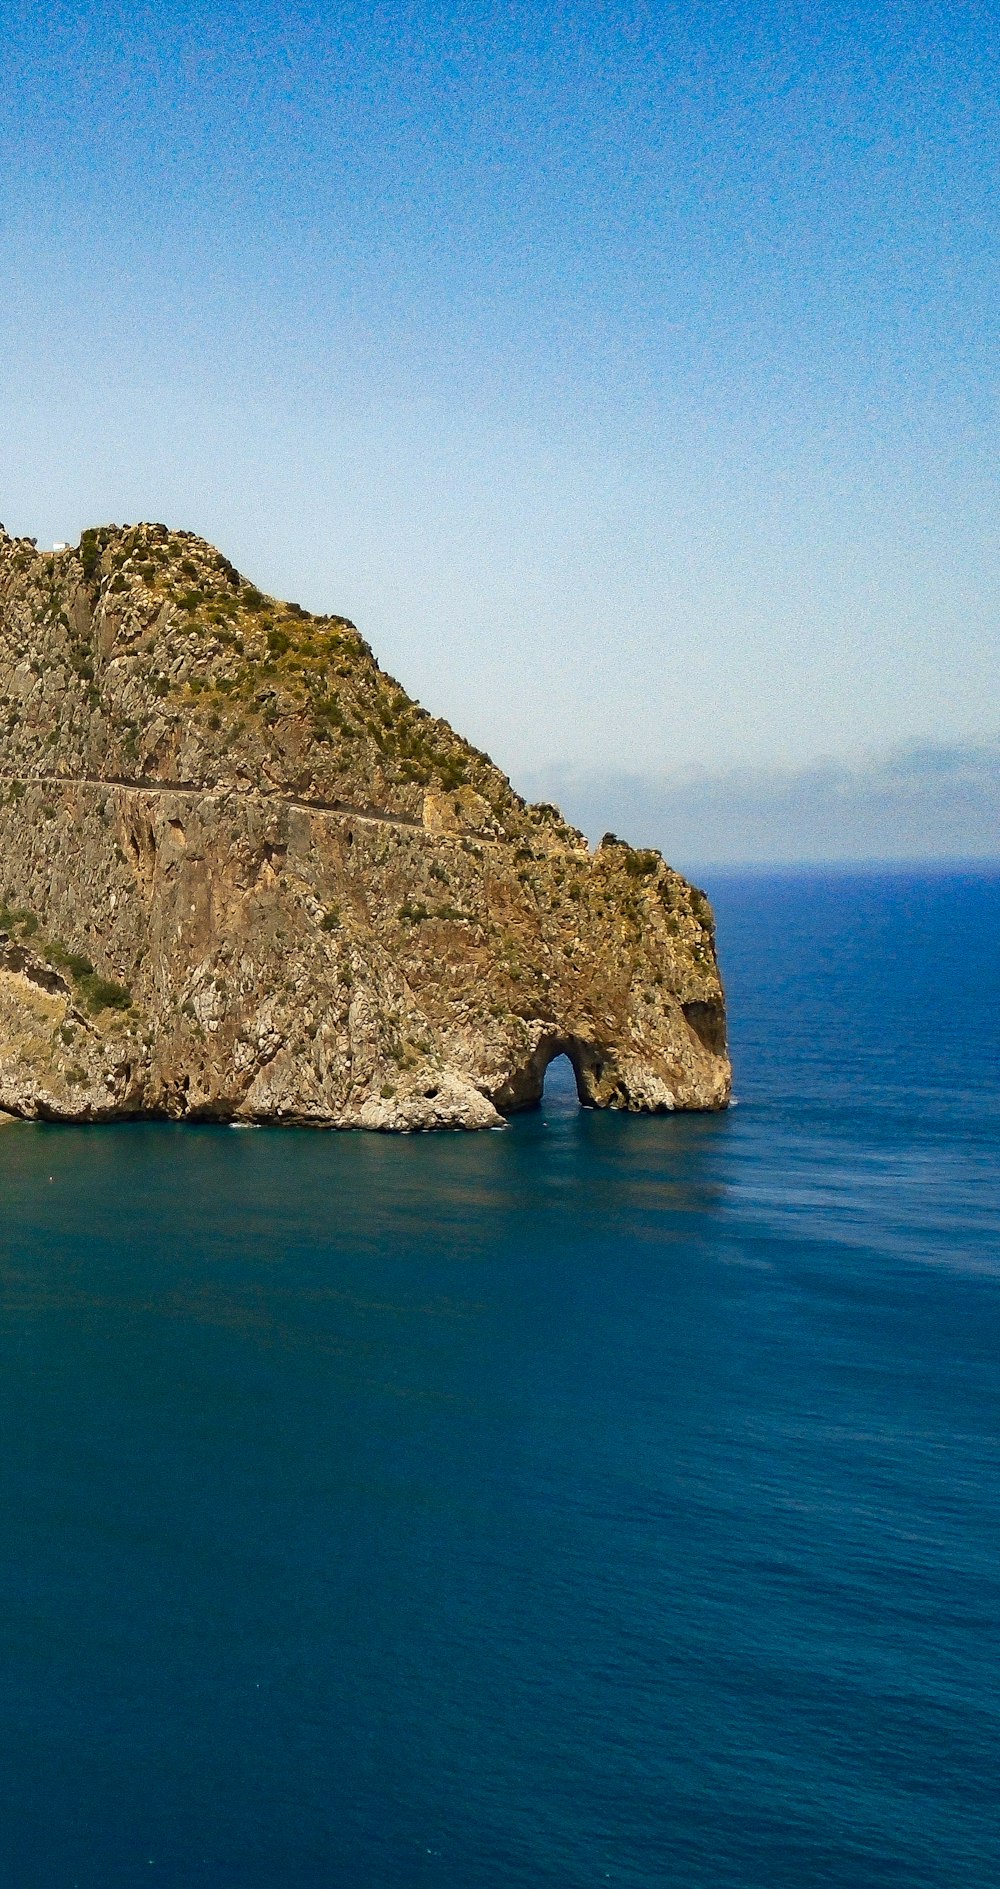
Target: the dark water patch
(603, 1500)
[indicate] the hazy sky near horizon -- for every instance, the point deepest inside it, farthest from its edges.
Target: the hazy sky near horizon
(628, 372)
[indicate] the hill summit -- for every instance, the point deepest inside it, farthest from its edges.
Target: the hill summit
(243, 876)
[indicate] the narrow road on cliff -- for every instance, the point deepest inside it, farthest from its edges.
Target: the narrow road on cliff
(189, 790)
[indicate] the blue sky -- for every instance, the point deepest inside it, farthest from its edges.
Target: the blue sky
(628, 372)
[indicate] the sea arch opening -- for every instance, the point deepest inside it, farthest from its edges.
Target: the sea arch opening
(561, 1090)
(571, 1068)
(524, 1085)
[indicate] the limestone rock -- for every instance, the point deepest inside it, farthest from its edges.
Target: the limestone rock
(243, 876)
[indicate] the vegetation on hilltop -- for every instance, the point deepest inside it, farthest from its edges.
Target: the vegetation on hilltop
(248, 675)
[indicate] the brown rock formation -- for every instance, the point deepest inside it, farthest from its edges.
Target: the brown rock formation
(244, 877)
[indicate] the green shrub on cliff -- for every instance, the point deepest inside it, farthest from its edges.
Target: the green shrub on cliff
(90, 553)
(15, 918)
(74, 962)
(641, 862)
(102, 993)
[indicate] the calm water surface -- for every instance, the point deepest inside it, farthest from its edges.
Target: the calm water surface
(599, 1501)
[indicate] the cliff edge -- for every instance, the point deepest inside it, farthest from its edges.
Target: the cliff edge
(243, 876)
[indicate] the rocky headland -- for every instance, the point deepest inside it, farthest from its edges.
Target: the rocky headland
(244, 877)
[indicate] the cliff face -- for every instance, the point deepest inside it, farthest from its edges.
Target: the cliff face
(244, 877)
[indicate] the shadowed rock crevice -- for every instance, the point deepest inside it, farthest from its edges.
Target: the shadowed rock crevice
(707, 1018)
(244, 877)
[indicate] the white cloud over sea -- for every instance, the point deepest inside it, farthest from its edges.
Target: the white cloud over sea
(934, 801)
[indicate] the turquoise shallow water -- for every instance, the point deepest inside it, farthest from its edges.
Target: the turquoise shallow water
(599, 1501)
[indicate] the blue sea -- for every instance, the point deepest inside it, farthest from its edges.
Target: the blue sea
(598, 1501)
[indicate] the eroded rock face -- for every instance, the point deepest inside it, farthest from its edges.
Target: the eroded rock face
(244, 877)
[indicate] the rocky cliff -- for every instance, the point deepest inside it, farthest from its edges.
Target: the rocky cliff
(243, 876)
